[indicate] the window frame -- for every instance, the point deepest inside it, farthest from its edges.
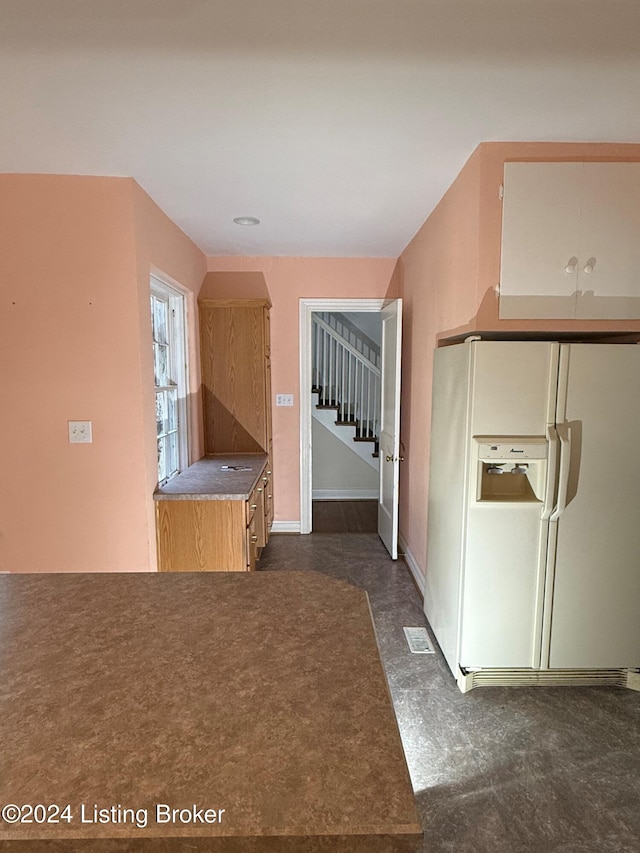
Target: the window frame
(178, 363)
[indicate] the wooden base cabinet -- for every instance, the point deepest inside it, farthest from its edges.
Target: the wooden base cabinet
(202, 536)
(209, 533)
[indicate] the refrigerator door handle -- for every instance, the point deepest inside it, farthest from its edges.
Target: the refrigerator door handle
(565, 463)
(549, 495)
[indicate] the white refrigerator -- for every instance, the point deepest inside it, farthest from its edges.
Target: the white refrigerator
(533, 550)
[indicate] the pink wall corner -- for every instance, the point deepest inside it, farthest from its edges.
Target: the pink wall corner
(166, 251)
(439, 272)
(74, 327)
(449, 271)
(289, 280)
(69, 332)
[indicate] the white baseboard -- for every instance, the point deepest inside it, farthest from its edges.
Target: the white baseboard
(285, 527)
(344, 494)
(633, 679)
(410, 560)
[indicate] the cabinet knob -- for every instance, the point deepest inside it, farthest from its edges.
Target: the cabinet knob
(254, 538)
(254, 506)
(572, 266)
(588, 267)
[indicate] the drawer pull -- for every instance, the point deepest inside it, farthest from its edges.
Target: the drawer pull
(259, 490)
(254, 538)
(254, 506)
(265, 479)
(269, 496)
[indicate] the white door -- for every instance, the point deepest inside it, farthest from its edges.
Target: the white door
(391, 348)
(596, 589)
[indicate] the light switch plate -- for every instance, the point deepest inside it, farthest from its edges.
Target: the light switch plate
(284, 399)
(80, 432)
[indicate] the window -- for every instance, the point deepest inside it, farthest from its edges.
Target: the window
(169, 361)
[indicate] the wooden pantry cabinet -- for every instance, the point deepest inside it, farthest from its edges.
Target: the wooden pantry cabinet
(217, 515)
(236, 375)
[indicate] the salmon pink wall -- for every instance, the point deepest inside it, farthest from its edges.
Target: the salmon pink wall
(74, 342)
(448, 273)
(289, 280)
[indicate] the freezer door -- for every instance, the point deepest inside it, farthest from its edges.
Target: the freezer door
(514, 387)
(595, 621)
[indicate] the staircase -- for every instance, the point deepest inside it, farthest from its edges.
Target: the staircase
(346, 380)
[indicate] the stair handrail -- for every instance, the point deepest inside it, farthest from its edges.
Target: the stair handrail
(355, 352)
(351, 333)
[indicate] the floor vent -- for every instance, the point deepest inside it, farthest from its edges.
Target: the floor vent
(418, 640)
(468, 679)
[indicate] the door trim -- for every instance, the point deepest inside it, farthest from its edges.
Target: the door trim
(307, 307)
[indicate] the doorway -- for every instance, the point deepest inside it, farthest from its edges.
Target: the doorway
(345, 370)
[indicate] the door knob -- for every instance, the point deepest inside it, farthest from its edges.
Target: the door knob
(572, 266)
(588, 267)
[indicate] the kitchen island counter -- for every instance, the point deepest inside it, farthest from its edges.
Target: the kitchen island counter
(257, 701)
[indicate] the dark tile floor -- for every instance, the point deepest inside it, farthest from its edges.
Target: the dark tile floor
(497, 770)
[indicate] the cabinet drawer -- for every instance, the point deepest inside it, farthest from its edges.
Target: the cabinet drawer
(268, 501)
(255, 504)
(251, 549)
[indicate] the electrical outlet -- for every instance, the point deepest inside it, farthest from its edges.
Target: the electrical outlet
(80, 432)
(284, 399)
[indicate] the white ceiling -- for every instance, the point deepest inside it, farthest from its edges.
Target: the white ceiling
(339, 123)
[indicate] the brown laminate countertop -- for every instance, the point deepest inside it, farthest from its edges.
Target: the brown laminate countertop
(261, 694)
(213, 478)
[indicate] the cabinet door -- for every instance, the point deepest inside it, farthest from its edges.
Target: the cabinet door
(540, 240)
(234, 394)
(609, 249)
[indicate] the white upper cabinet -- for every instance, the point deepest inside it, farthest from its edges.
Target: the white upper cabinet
(571, 241)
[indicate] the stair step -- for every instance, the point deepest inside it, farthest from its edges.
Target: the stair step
(327, 406)
(347, 423)
(365, 438)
